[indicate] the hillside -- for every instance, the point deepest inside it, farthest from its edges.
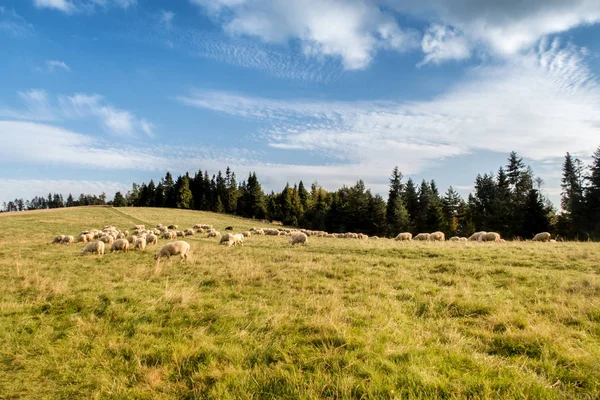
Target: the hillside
(337, 318)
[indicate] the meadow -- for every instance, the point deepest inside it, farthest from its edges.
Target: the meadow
(337, 318)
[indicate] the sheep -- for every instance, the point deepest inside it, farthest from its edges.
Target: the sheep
(94, 247)
(120, 245)
(422, 236)
(213, 234)
(58, 239)
(173, 248)
(238, 238)
(179, 233)
(542, 237)
(454, 239)
(475, 237)
(175, 227)
(374, 237)
(259, 231)
(437, 236)
(151, 239)
(188, 232)
(140, 243)
(463, 239)
(166, 235)
(246, 234)
(489, 237)
(552, 241)
(404, 236)
(82, 238)
(68, 240)
(298, 238)
(225, 238)
(108, 239)
(131, 239)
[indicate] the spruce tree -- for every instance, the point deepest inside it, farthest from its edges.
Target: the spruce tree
(119, 200)
(572, 199)
(395, 204)
(183, 192)
(592, 196)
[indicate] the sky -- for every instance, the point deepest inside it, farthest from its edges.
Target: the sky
(97, 94)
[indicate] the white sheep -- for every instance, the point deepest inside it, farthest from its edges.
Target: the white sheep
(82, 238)
(120, 245)
(489, 237)
(475, 237)
(298, 238)
(140, 243)
(173, 248)
(213, 234)
(225, 238)
(238, 238)
(463, 239)
(246, 234)
(422, 236)
(58, 239)
(404, 236)
(437, 236)
(131, 239)
(151, 239)
(188, 232)
(94, 247)
(68, 240)
(542, 237)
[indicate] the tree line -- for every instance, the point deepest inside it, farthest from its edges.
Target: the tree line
(508, 201)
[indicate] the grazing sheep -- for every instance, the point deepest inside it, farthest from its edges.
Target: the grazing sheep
(552, 241)
(58, 239)
(542, 237)
(454, 239)
(131, 239)
(422, 236)
(188, 232)
(298, 238)
(140, 243)
(197, 226)
(175, 227)
(151, 239)
(225, 238)
(489, 237)
(374, 237)
(68, 240)
(179, 233)
(404, 236)
(82, 238)
(213, 234)
(229, 228)
(94, 247)
(108, 239)
(166, 235)
(475, 237)
(463, 239)
(173, 248)
(238, 238)
(246, 234)
(437, 236)
(259, 231)
(120, 245)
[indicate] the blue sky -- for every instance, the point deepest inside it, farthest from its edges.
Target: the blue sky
(97, 94)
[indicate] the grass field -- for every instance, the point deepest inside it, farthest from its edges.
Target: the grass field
(338, 318)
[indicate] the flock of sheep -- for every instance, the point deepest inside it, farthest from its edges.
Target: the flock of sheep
(476, 237)
(97, 240)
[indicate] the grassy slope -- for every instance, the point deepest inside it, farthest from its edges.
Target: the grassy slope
(337, 318)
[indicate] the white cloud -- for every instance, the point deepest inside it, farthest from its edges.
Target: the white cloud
(61, 5)
(27, 189)
(45, 144)
(541, 104)
(352, 30)
(441, 43)
(13, 24)
(38, 107)
(166, 18)
(504, 27)
(78, 6)
(55, 64)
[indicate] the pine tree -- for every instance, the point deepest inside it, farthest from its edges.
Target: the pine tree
(592, 196)
(572, 198)
(535, 215)
(70, 201)
(451, 206)
(424, 201)
(119, 200)
(183, 193)
(219, 205)
(395, 203)
(411, 201)
(168, 185)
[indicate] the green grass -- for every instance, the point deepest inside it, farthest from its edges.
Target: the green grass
(338, 318)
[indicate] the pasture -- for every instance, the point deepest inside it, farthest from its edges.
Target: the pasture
(337, 318)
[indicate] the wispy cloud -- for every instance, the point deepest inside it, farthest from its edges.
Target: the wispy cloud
(540, 104)
(13, 24)
(351, 30)
(77, 6)
(41, 107)
(53, 65)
